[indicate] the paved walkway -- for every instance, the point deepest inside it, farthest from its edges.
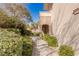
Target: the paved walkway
(41, 48)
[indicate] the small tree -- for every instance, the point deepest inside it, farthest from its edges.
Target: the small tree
(19, 10)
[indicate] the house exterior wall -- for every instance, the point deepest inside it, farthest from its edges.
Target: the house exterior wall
(65, 24)
(45, 18)
(47, 6)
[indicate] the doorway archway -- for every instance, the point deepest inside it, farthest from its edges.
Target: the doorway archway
(45, 28)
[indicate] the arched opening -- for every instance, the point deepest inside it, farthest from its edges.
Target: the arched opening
(45, 28)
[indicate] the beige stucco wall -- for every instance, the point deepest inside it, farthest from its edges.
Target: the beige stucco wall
(65, 25)
(45, 18)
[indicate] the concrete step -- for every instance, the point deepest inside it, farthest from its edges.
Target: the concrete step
(41, 48)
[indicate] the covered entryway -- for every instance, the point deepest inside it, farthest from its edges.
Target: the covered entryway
(45, 28)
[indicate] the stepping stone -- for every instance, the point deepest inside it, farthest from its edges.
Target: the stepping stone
(41, 48)
(41, 42)
(45, 51)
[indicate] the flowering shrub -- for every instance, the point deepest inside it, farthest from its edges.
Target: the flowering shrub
(10, 43)
(13, 44)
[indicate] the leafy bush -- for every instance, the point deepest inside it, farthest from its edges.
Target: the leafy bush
(35, 34)
(27, 46)
(14, 22)
(65, 50)
(52, 41)
(13, 30)
(8, 22)
(10, 43)
(11, 22)
(28, 32)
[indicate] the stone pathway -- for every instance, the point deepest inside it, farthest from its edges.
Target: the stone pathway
(41, 48)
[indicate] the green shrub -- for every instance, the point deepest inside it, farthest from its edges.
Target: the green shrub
(52, 41)
(13, 30)
(9, 22)
(65, 50)
(12, 22)
(35, 34)
(10, 43)
(27, 32)
(27, 46)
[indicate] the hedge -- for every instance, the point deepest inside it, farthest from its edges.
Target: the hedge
(66, 50)
(27, 46)
(13, 44)
(35, 34)
(10, 43)
(12, 22)
(52, 41)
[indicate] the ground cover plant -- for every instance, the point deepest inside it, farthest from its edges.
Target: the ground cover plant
(66, 50)
(52, 40)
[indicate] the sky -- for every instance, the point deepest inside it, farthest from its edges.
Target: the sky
(34, 9)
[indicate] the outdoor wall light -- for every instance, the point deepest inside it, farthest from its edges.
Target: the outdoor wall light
(76, 11)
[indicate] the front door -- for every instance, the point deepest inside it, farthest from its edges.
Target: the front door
(45, 28)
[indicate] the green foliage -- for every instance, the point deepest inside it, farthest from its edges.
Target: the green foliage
(10, 43)
(19, 10)
(17, 31)
(52, 41)
(27, 46)
(9, 22)
(65, 50)
(12, 22)
(35, 34)
(34, 25)
(28, 33)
